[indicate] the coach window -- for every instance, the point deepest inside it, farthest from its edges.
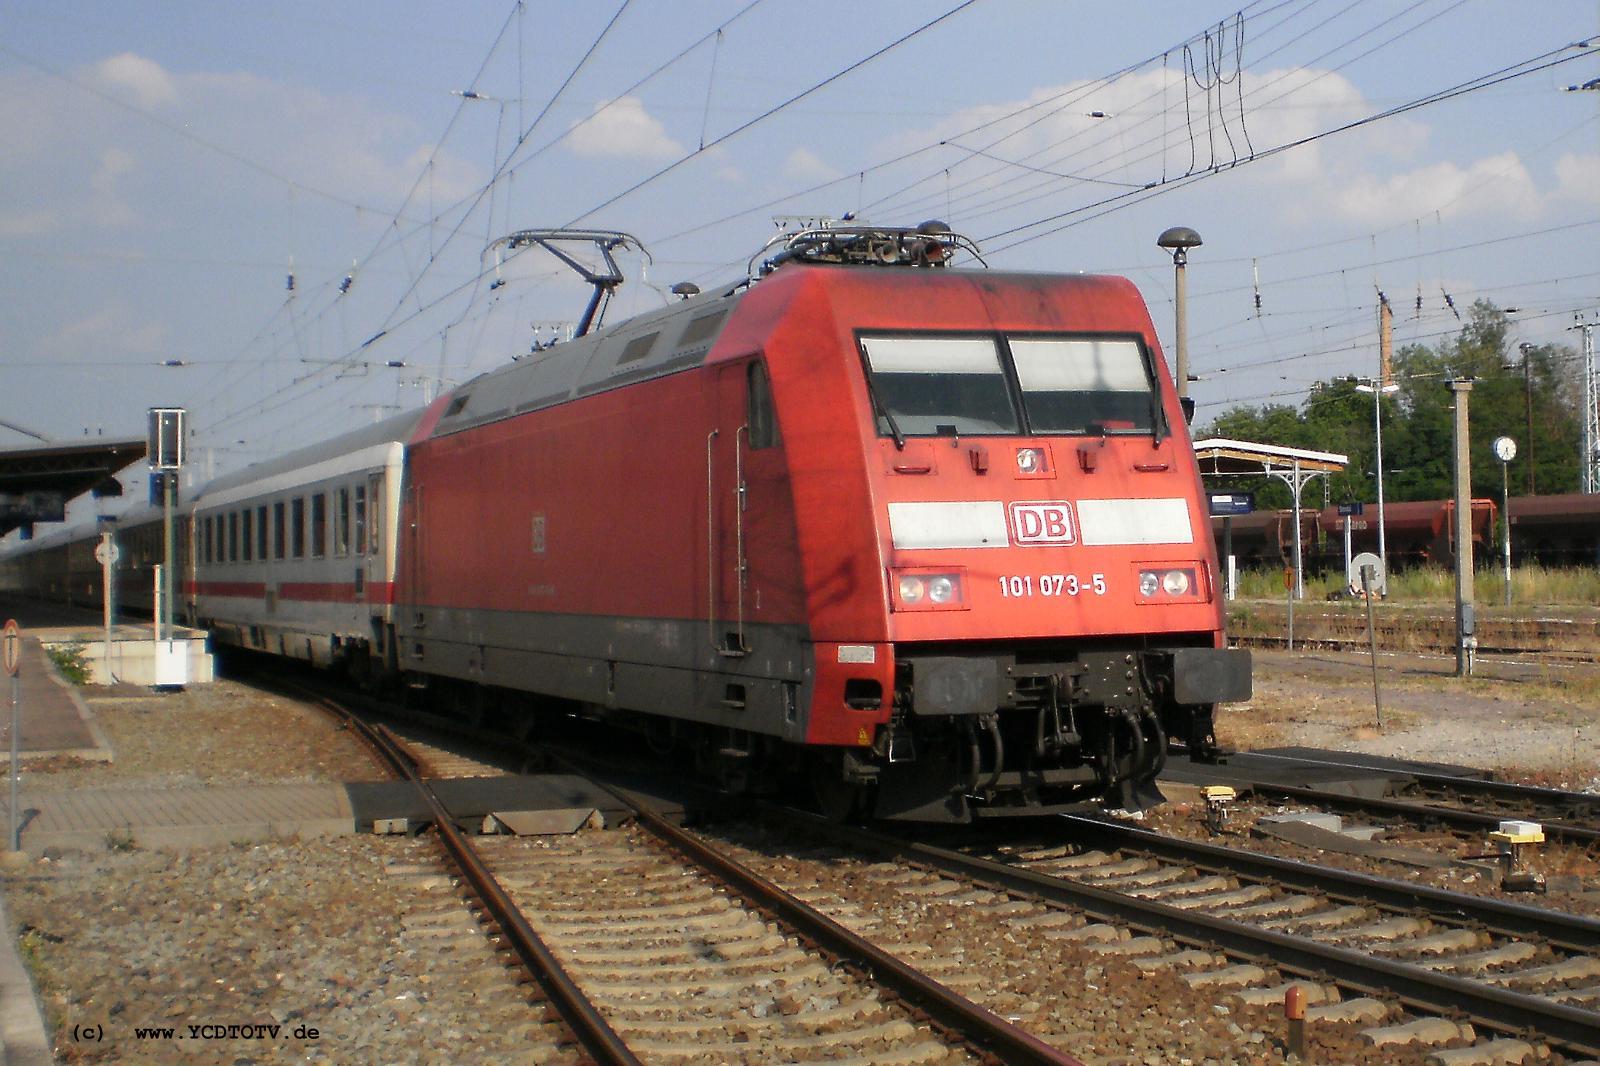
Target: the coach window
(763, 420)
(361, 520)
(261, 532)
(1084, 384)
(929, 386)
(319, 525)
(297, 527)
(341, 522)
(233, 536)
(375, 505)
(246, 535)
(277, 530)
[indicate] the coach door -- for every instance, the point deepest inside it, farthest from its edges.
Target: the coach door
(747, 512)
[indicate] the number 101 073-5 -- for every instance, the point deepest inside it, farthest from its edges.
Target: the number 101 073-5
(1017, 586)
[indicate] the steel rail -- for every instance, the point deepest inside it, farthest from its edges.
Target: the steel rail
(1486, 1005)
(1455, 817)
(584, 1019)
(983, 1028)
(1572, 932)
(1506, 791)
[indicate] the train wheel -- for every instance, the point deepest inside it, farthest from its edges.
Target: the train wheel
(838, 799)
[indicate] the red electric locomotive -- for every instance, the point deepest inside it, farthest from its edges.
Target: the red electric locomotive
(934, 538)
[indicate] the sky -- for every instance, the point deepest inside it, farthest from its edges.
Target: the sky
(167, 168)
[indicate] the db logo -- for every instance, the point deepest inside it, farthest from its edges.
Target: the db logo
(1042, 523)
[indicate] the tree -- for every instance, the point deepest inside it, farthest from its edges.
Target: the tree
(1424, 441)
(1419, 420)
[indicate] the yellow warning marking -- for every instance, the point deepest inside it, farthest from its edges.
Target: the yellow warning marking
(862, 737)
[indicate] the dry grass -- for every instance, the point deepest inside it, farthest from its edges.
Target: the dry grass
(1531, 586)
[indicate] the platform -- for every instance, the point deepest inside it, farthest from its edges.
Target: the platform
(96, 818)
(55, 720)
(202, 816)
(137, 658)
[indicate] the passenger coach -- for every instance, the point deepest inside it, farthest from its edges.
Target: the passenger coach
(296, 556)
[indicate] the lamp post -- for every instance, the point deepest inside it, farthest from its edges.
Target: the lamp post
(1178, 240)
(1378, 390)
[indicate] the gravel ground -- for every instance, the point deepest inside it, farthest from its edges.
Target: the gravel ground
(306, 936)
(223, 733)
(314, 933)
(1540, 726)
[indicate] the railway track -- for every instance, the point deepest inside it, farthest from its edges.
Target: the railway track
(1417, 630)
(1463, 804)
(1403, 963)
(651, 946)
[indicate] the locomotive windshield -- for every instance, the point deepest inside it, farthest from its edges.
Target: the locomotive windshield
(1070, 384)
(926, 386)
(939, 386)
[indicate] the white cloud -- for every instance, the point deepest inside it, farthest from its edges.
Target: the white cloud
(145, 79)
(622, 129)
(26, 223)
(1579, 176)
(1499, 184)
(804, 165)
(108, 205)
(113, 330)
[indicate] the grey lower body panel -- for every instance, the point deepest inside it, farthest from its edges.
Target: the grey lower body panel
(653, 665)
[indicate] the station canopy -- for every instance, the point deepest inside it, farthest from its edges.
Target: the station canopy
(1218, 455)
(36, 483)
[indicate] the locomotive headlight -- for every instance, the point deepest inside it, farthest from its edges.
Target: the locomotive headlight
(928, 589)
(1030, 460)
(1170, 582)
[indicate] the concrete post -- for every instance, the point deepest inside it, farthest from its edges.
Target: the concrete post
(1466, 627)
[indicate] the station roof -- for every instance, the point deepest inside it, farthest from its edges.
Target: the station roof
(37, 482)
(1218, 455)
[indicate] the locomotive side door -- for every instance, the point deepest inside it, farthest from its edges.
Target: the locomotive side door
(750, 530)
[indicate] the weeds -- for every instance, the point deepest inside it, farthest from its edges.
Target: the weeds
(120, 840)
(70, 661)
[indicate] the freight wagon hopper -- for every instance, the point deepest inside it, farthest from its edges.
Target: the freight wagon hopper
(933, 539)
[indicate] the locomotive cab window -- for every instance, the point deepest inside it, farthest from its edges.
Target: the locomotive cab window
(939, 386)
(761, 417)
(1084, 384)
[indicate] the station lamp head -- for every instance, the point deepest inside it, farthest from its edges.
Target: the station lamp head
(1178, 239)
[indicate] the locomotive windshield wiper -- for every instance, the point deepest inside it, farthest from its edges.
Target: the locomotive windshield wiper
(888, 417)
